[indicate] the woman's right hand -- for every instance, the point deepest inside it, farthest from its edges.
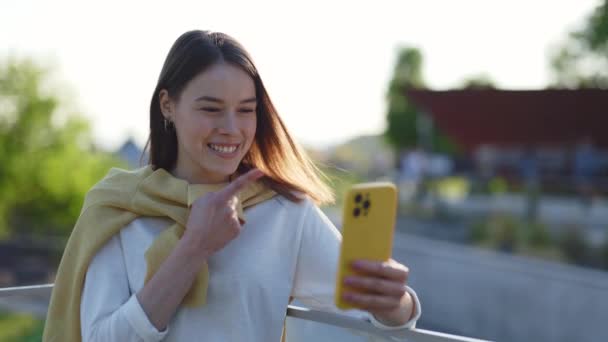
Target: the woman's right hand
(213, 220)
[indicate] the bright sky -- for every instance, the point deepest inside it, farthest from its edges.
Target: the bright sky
(326, 64)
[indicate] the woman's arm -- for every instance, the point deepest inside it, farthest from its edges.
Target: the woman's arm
(109, 312)
(314, 281)
(163, 293)
(212, 223)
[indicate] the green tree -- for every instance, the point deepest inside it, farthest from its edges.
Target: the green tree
(582, 61)
(481, 81)
(407, 127)
(402, 115)
(47, 159)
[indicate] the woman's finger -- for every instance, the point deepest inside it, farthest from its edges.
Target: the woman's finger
(238, 184)
(389, 269)
(376, 285)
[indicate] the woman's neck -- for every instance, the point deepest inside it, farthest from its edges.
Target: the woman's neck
(197, 175)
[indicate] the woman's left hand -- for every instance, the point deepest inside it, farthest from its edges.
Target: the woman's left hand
(386, 297)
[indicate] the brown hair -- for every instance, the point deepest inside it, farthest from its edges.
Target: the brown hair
(289, 171)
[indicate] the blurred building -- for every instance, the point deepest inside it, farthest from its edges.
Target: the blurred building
(561, 132)
(131, 153)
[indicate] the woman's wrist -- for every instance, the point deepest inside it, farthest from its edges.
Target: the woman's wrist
(400, 316)
(191, 250)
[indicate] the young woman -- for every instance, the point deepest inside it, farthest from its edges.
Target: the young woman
(220, 231)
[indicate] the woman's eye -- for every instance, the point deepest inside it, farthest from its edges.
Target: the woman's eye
(210, 109)
(247, 110)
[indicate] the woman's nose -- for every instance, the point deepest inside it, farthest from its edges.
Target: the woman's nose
(228, 124)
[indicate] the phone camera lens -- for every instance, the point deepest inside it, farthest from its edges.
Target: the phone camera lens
(366, 204)
(357, 212)
(358, 198)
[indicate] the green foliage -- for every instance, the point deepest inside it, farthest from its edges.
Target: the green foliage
(498, 186)
(47, 159)
(401, 130)
(20, 328)
(509, 234)
(502, 232)
(443, 144)
(595, 32)
(582, 61)
(497, 232)
(479, 232)
(408, 71)
(573, 244)
(482, 81)
(581, 252)
(403, 117)
(538, 235)
(604, 254)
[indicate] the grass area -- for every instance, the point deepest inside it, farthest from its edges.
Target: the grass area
(514, 235)
(20, 328)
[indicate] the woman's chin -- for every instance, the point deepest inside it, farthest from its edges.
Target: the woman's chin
(222, 173)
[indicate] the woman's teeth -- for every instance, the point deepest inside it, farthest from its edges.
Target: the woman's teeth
(223, 149)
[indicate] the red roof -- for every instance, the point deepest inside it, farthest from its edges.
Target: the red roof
(517, 118)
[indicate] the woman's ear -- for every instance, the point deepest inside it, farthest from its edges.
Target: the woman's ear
(166, 104)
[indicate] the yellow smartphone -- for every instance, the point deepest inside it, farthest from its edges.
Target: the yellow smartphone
(367, 229)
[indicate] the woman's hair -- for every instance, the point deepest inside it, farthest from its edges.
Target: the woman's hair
(289, 171)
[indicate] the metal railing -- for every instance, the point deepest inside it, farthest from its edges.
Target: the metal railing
(43, 293)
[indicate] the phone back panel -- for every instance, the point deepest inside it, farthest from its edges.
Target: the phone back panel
(367, 231)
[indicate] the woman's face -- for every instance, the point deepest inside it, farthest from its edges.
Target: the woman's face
(215, 122)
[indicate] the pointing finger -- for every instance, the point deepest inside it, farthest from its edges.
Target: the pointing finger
(238, 184)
